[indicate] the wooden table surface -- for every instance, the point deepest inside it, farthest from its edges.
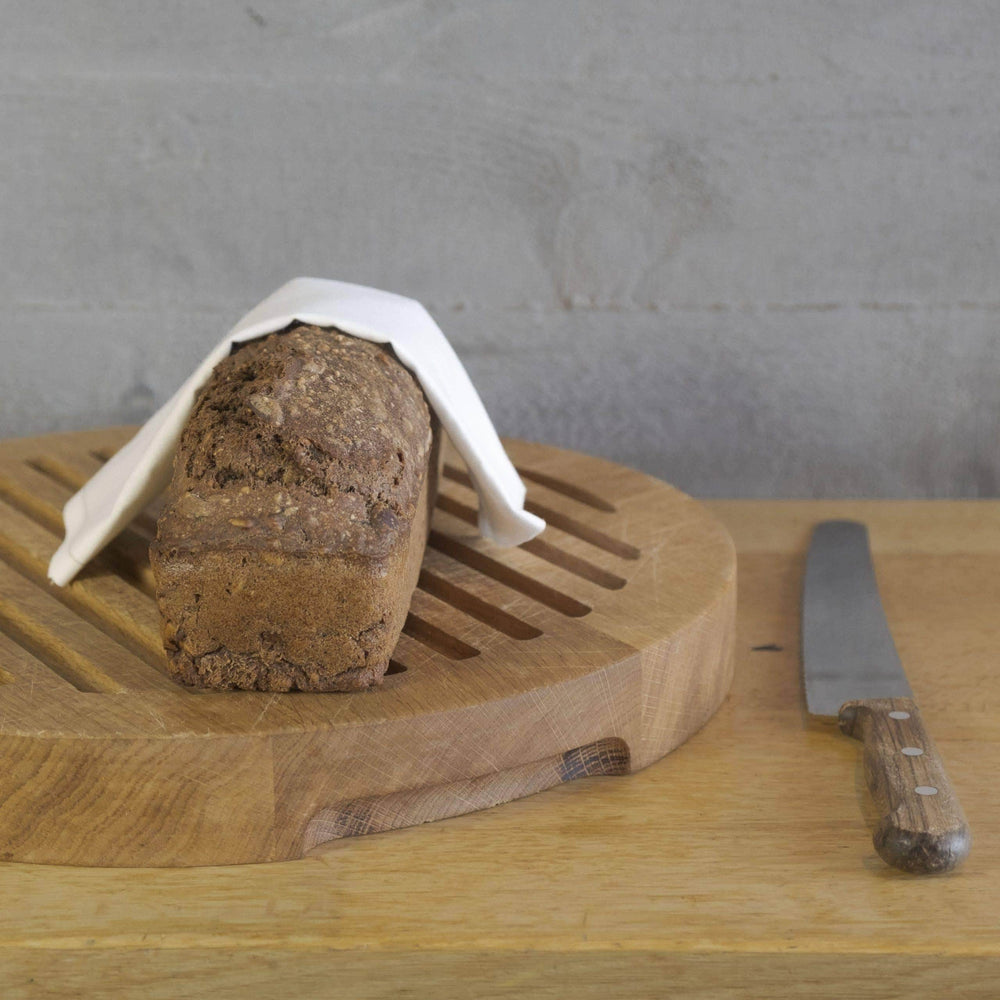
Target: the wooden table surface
(740, 865)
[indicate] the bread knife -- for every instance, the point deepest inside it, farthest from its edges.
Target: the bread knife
(853, 673)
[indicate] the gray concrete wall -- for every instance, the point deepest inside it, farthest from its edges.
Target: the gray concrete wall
(750, 247)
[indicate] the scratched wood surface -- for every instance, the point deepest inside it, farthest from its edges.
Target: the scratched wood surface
(595, 648)
(739, 865)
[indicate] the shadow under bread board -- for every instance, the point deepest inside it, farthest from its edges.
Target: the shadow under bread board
(593, 649)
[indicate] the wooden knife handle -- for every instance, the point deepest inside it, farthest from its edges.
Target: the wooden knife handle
(922, 827)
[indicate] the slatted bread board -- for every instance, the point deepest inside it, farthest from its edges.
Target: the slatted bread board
(594, 649)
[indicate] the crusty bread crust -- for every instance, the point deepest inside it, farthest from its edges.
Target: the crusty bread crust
(296, 519)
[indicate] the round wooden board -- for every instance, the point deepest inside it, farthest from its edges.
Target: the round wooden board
(594, 649)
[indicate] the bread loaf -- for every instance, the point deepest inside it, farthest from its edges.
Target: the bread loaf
(296, 518)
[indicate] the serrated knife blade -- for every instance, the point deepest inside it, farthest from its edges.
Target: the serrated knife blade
(853, 672)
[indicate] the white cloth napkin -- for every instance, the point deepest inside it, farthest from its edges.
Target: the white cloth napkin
(142, 468)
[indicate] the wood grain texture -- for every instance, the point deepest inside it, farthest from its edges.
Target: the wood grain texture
(921, 826)
(740, 865)
(390, 812)
(497, 690)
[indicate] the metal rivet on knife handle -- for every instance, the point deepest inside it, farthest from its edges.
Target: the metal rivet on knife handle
(922, 827)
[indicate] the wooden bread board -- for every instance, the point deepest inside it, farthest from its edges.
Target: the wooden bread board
(594, 649)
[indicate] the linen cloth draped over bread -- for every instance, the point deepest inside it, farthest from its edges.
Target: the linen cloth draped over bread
(142, 468)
